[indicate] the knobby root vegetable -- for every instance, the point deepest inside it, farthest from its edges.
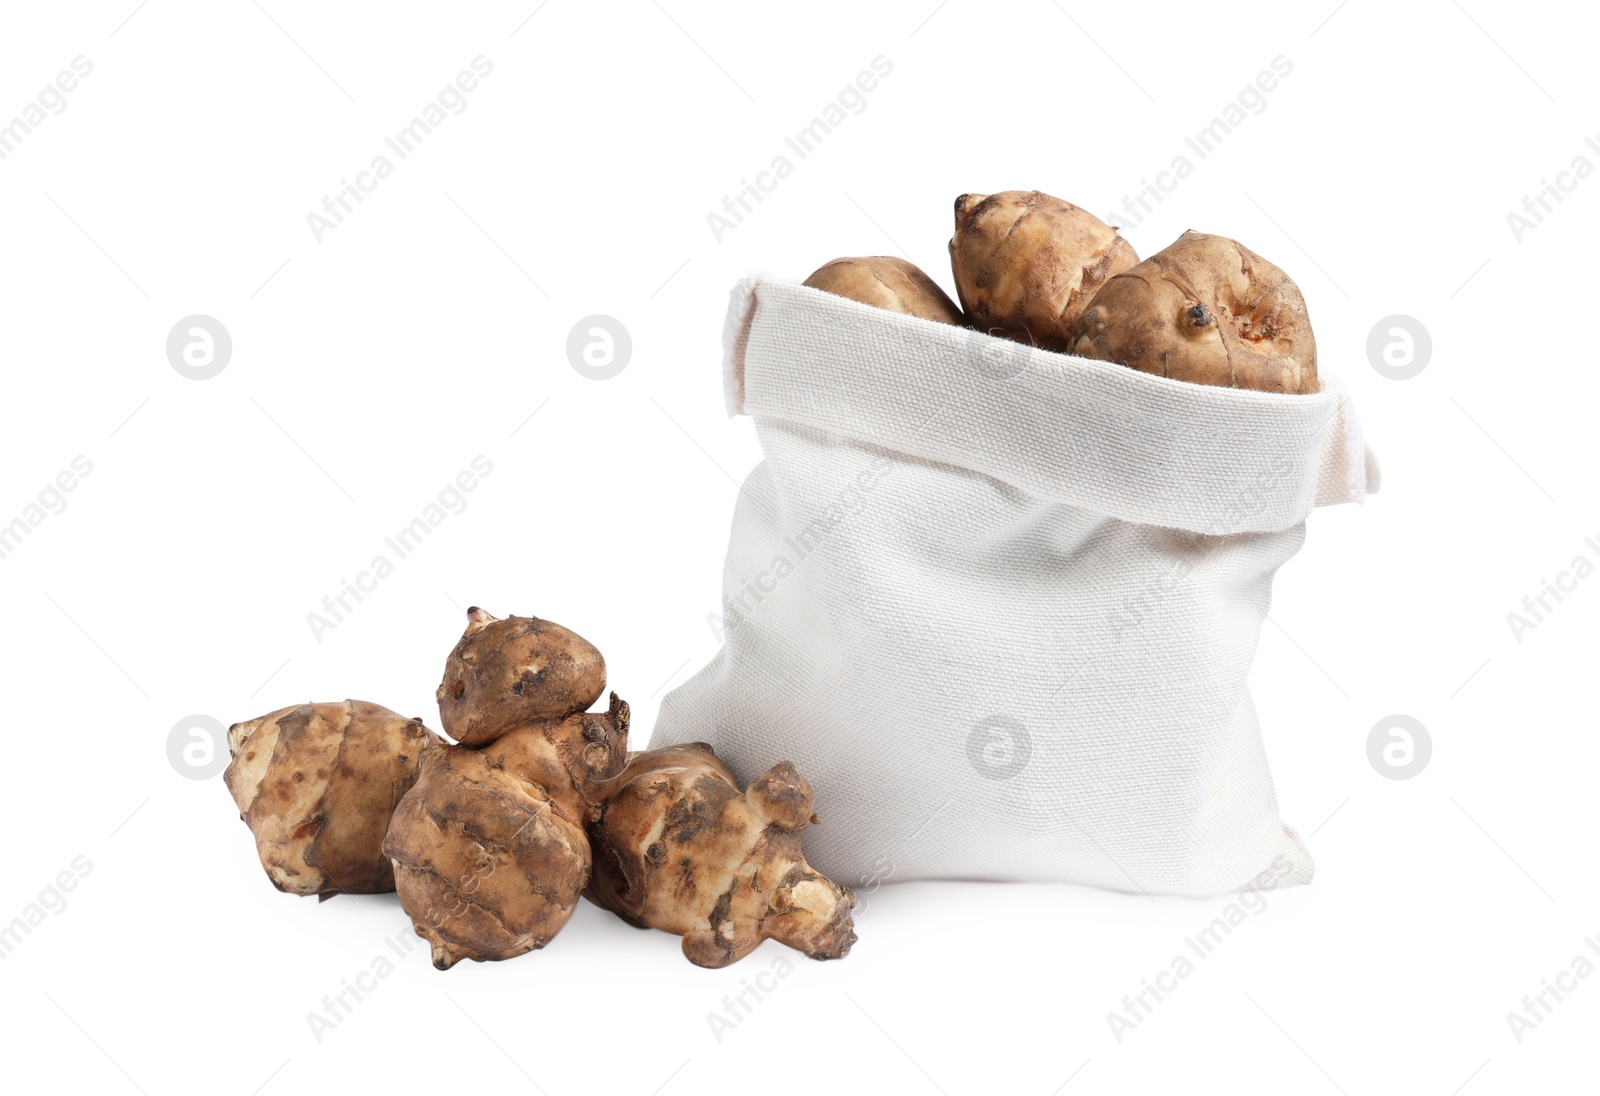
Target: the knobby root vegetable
(678, 847)
(884, 281)
(1026, 264)
(488, 848)
(317, 784)
(519, 670)
(1207, 310)
(489, 858)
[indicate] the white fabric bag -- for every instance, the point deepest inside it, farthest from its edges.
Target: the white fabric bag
(998, 604)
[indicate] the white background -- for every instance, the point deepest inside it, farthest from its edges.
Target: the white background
(370, 368)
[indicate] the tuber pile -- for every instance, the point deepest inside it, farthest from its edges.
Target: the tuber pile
(884, 281)
(488, 841)
(1026, 264)
(678, 847)
(488, 847)
(1042, 271)
(317, 784)
(1207, 310)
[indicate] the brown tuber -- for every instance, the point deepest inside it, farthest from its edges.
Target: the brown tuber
(317, 784)
(1026, 264)
(678, 847)
(488, 848)
(519, 670)
(1207, 310)
(884, 281)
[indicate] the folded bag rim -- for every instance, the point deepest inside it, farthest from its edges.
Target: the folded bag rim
(1094, 434)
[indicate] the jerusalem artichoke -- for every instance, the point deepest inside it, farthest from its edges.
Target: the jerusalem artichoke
(317, 783)
(1209, 310)
(678, 847)
(884, 281)
(1026, 264)
(519, 670)
(488, 848)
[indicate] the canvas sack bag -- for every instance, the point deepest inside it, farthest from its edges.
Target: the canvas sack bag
(999, 604)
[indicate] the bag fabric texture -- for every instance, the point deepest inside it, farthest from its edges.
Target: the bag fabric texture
(999, 604)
